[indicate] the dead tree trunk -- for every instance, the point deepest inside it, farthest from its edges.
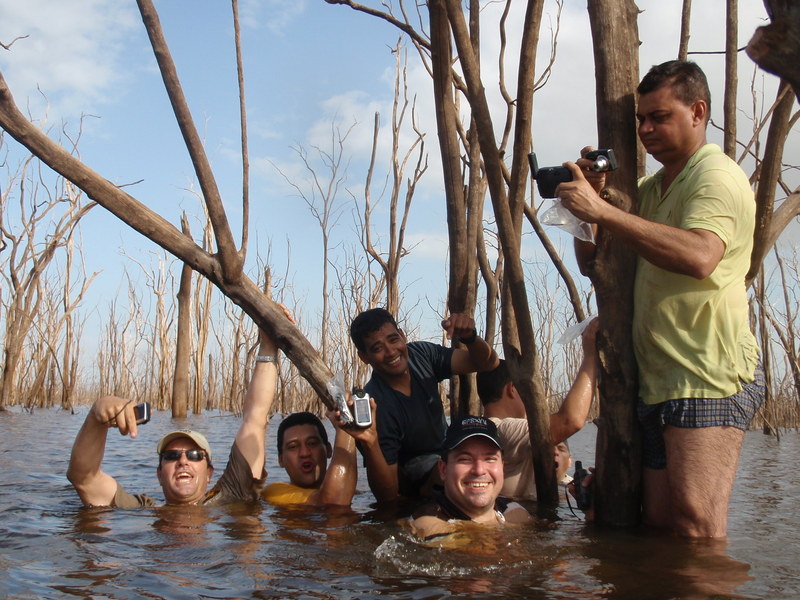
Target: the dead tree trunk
(223, 268)
(508, 200)
(775, 47)
(615, 39)
(464, 203)
(764, 236)
(183, 337)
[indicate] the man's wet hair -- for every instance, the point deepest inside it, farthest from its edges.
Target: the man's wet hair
(686, 78)
(490, 384)
(368, 322)
(300, 418)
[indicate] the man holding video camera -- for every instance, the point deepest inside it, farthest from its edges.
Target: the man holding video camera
(185, 464)
(699, 379)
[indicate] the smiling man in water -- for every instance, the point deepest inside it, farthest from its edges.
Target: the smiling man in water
(471, 468)
(303, 452)
(410, 424)
(184, 457)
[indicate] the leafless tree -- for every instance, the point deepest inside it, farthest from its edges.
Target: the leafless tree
(320, 193)
(183, 337)
(225, 267)
(36, 223)
(400, 192)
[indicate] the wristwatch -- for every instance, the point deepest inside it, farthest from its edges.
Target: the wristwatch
(468, 340)
(266, 358)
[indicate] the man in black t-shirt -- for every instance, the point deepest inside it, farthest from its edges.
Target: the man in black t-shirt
(402, 451)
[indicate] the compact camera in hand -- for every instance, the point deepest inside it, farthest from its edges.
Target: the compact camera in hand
(362, 411)
(583, 494)
(548, 178)
(361, 414)
(142, 413)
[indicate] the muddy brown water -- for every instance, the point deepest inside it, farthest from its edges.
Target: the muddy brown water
(52, 548)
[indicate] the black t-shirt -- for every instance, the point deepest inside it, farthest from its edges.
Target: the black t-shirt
(409, 426)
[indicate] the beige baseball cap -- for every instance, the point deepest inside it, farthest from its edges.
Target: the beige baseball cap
(196, 437)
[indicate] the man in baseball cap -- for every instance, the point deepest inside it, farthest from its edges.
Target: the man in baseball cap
(184, 457)
(471, 468)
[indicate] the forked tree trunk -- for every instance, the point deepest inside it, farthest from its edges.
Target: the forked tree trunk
(461, 201)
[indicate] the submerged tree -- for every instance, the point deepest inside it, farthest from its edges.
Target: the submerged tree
(458, 75)
(224, 267)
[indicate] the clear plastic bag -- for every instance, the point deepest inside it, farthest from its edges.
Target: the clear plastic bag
(563, 219)
(574, 331)
(336, 390)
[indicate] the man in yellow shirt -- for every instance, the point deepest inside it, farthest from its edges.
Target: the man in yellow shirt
(698, 378)
(304, 450)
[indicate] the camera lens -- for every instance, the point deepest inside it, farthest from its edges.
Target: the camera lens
(601, 164)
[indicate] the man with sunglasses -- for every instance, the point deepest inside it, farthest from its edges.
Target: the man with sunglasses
(184, 467)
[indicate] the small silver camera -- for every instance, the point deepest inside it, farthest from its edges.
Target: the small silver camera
(142, 412)
(362, 412)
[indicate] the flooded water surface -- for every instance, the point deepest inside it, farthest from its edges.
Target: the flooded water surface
(53, 548)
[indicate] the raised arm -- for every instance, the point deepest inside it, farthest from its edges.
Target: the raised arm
(340, 480)
(574, 410)
(95, 487)
(478, 356)
(258, 403)
(382, 477)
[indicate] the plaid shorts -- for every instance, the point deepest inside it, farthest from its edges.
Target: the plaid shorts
(734, 411)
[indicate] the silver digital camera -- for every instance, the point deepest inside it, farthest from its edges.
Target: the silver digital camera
(362, 412)
(142, 412)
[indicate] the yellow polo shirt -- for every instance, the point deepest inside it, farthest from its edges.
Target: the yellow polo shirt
(692, 337)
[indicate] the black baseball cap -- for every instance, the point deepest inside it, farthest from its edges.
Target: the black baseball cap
(469, 426)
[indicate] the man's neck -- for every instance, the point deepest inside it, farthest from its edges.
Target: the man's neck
(673, 168)
(454, 511)
(399, 383)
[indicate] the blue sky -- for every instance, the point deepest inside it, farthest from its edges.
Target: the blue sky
(308, 65)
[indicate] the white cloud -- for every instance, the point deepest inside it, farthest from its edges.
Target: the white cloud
(73, 50)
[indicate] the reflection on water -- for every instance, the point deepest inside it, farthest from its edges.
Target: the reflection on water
(52, 548)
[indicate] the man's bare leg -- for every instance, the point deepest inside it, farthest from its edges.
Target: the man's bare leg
(701, 468)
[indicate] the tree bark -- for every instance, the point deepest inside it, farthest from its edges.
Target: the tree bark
(770, 171)
(183, 337)
(731, 77)
(776, 47)
(618, 469)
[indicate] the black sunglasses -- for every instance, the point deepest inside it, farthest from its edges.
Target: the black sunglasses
(192, 455)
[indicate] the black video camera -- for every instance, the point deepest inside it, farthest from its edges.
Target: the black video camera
(548, 178)
(583, 494)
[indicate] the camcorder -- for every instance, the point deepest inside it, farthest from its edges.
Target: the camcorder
(548, 178)
(361, 415)
(583, 494)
